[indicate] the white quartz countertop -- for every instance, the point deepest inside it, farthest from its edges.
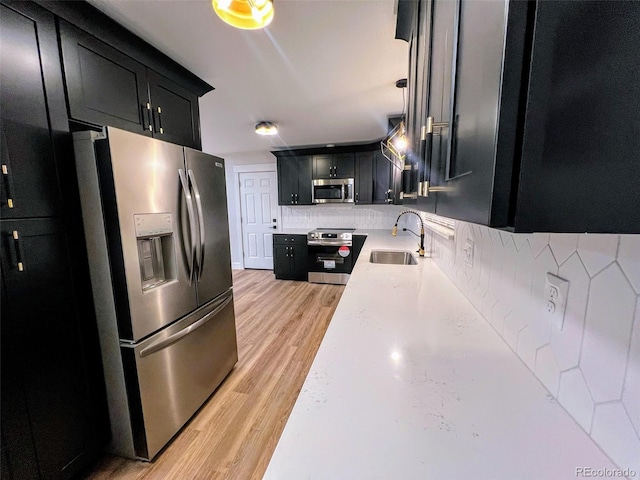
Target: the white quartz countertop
(410, 382)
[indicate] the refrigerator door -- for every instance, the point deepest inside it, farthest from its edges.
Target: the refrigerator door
(147, 223)
(171, 374)
(207, 180)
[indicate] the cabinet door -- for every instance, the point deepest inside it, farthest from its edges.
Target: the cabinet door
(281, 266)
(381, 179)
(580, 169)
(304, 176)
(32, 99)
(104, 86)
(363, 178)
(322, 166)
(344, 165)
(426, 41)
(42, 311)
(287, 180)
(176, 117)
(477, 173)
(299, 257)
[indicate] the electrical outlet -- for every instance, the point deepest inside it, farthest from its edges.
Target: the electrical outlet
(468, 252)
(556, 290)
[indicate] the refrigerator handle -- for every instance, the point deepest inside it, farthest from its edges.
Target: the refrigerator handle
(155, 347)
(192, 223)
(200, 250)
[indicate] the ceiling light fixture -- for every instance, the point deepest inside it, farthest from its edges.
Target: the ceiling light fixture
(244, 14)
(266, 128)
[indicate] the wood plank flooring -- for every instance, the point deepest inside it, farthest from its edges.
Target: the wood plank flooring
(280, 325)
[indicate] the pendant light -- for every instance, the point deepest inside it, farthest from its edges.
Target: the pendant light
(394, 145)
(244, 14)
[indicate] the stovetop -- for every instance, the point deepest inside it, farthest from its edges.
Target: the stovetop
(334, 230)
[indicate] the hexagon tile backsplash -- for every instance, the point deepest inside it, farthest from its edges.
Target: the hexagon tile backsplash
(591, 365)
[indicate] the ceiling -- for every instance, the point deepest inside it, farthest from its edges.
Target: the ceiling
(324, 70)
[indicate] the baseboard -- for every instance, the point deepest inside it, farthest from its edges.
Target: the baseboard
(237, 266)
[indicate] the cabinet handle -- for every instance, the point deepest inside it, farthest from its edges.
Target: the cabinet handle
(291, 248)
(428, 129)
(149, 117)
(357, 195)
(16, 244)
(427, 134)
(292, 199)
(160, 120)
(7, 185)
(296, 199)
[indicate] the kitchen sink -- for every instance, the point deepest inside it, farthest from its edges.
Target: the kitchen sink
(392, 258)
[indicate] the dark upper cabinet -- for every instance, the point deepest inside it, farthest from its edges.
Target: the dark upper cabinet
(530, 103)
(104, 86)
(107, 87)
(294, 179)
(322, 166)
(375, 179)
(363, 188)
(477, 146)
(176, 116)
(32, 99)
(386, 180)
(50, 373)
(580, 170)
(290, 257)
(340, 165)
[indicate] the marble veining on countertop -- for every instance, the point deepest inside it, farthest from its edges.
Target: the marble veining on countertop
(410, 382)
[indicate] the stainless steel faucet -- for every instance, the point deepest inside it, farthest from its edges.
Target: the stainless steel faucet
(394, 231)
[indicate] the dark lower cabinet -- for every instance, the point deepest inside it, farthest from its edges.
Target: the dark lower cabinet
(290, 257)
(53, 411)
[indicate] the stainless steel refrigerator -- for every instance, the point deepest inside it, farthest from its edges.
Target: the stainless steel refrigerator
(155, 220)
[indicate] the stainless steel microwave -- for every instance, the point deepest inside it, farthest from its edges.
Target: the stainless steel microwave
(332, 190)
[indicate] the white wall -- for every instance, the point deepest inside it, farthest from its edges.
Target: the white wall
(592, 365)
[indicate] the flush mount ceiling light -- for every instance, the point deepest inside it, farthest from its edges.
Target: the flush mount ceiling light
(266, 128)
(244, 14)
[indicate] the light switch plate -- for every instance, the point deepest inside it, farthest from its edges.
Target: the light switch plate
(468, 253)
(556, 290)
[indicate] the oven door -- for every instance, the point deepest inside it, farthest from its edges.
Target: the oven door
(330, 263)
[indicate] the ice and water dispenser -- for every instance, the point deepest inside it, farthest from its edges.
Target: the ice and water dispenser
(154, 234)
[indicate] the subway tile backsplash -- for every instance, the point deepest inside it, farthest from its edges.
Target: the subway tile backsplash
(591, 365)
(329, 216)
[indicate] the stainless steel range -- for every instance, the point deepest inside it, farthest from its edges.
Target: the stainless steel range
(330, 255)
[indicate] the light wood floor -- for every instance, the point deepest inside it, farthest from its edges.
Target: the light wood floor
(280, 325)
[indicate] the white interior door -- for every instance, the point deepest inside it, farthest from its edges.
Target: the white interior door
(259, 199)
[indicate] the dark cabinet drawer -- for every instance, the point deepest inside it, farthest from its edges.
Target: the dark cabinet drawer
(282, 239)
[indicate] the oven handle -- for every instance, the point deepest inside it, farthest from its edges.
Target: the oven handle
(337, 259)
(329, 243)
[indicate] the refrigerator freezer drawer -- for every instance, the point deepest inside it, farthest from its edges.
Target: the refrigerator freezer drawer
(171, 374)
